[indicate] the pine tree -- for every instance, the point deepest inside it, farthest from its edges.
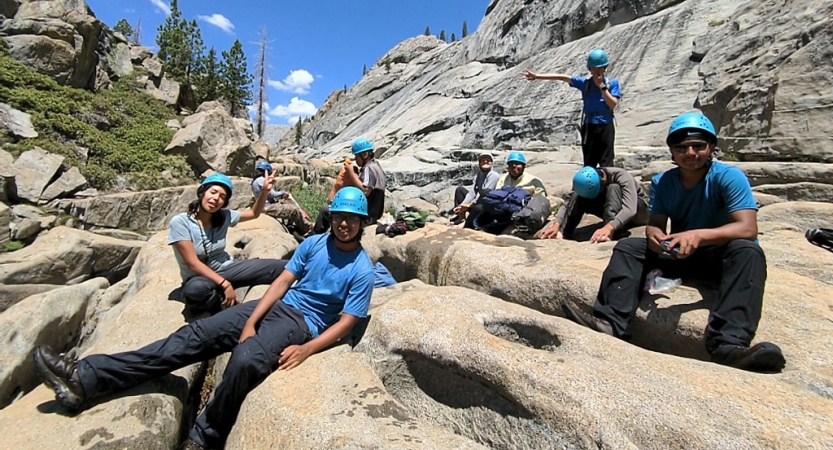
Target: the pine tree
(453, 38)
(364, 70)
(465, 30)
(193, 54)
(298, 132)
(237, 80)
(209, 85)
(123, 27)
(387, 63)
(262, 78)
(442, 35)
(427, 31)
(171, 41)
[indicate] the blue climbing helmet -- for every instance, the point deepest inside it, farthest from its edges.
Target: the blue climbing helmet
(597, 58)
(516, 157)
(690, 123)
(349, 200)
(362, 145)
(263, 165)
(587, 183)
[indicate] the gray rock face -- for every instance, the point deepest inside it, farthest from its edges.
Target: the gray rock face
(8, 189)
(5, 219)
(17, 123)
(25, 229)
(164, 90)
(145, 210)
(67, 183)
(212, 140)
(34, 170)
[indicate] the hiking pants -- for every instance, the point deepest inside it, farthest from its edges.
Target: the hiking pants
(597, 144)
(250, 363)
(460, 195)
(738, 266)
(203, 293)
(322, 223)
(605, 207)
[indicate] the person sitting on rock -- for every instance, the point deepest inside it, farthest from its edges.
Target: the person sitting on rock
(294, 218)
(515, 176)
(198, 237)
(261, 168)
(713, 236)
(370, 178)
(600, 96)
(610, 193)
(335, 280)
(485, 180)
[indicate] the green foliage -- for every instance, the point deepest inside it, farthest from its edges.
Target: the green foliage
(364, 70)
(4, 47)
(465, 30)
(237, 79)
(123, 27)
(310, 199)
(387, 63)
(121, 130)
(210, 85)
(717, 23)
(427, 31)
(298, 132)
(181, 46)
(453, 38)
(442, 35)
(11, 246)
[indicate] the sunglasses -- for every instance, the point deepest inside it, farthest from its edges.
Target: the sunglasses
(350, 219)
(683, 147)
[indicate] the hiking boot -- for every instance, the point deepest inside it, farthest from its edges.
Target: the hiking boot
(574, 313)
(59, 373)
(191, 445)
(762, 357)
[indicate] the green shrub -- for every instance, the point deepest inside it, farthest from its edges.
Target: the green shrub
(310, 199)
(11, 246)
(122, 130)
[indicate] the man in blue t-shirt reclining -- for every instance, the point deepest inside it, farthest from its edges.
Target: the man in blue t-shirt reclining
(713, 236)
(282, 329)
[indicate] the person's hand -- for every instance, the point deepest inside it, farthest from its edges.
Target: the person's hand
(529, 75)
(248, 331)
(461, 209)
(293, 356)
(231, 296)
(268, 180)
(305, 215)
(687, 243)
(655, 239)
(603, 234)
(551, 232)
(285, 196)
(599, 79)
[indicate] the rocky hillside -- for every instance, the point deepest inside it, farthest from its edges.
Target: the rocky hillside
(758, 69)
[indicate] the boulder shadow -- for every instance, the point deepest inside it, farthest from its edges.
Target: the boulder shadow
(529, 335)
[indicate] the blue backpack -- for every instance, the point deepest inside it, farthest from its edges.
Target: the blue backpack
(498, 207)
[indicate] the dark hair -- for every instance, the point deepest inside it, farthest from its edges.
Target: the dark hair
(217, 218)
(259, 173)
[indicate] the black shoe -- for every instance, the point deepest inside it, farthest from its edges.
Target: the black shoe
(191, 445)
(762, 357)
(59, 373)
(574, 313)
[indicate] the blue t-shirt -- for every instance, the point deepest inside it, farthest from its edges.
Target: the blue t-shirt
(721, 192)
(184, 227)
(330, 281)
(596, 110)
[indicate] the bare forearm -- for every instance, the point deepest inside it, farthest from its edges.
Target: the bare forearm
(609, 99)
(332, 334)
(728, 232)
(275, 292)
(553, 76)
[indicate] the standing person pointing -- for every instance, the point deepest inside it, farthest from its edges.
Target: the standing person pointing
(600, 95)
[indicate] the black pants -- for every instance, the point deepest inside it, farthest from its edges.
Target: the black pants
(739, 267)
(605, 207)
(460, 195)
(322, 222)
(250, 363)
(203, 293)
(597, 144)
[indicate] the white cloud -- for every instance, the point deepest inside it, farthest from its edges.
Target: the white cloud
(129, 10)
(161, 6)
(297, 82)
(220, 21)
(295, 109)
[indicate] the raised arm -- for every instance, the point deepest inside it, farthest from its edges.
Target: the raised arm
(257, 208)
(529, 75)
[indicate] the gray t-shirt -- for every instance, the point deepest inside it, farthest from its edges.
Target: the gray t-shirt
(257, 186)
(211, 242)
(373, 176)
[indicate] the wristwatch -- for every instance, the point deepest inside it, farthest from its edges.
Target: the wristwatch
(604, 87)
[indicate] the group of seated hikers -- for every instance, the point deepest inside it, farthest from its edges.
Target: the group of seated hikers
(318, 295)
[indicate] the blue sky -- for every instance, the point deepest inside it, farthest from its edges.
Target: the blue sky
(315, 47)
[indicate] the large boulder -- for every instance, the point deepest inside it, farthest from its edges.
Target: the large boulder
(54, 318)
(34, 170)
(17, 123)
(211, 139)
(68, 183)
(68, 256)
(5, 219)
(8, 188)
(143, 211)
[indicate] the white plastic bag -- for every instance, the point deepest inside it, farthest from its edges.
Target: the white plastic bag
(656, 284)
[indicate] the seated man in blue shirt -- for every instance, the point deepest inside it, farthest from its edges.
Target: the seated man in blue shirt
(282, 329)
(713, 236)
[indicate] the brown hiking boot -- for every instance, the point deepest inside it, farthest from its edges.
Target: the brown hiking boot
(762, 357)
(58, 372)
(574, 313)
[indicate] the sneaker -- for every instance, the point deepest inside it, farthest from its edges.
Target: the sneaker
(59, 373)
(822, 237)
(762, 357)
(574, 313)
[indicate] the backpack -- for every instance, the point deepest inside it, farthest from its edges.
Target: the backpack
(412, 219)
(498, 207)
(533, 216)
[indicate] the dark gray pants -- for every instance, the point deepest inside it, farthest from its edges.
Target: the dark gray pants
(460, 195)
(250, 363)
(322, 222)
(739, 267)
(605, 207)
(597, 144)
(203, 293)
